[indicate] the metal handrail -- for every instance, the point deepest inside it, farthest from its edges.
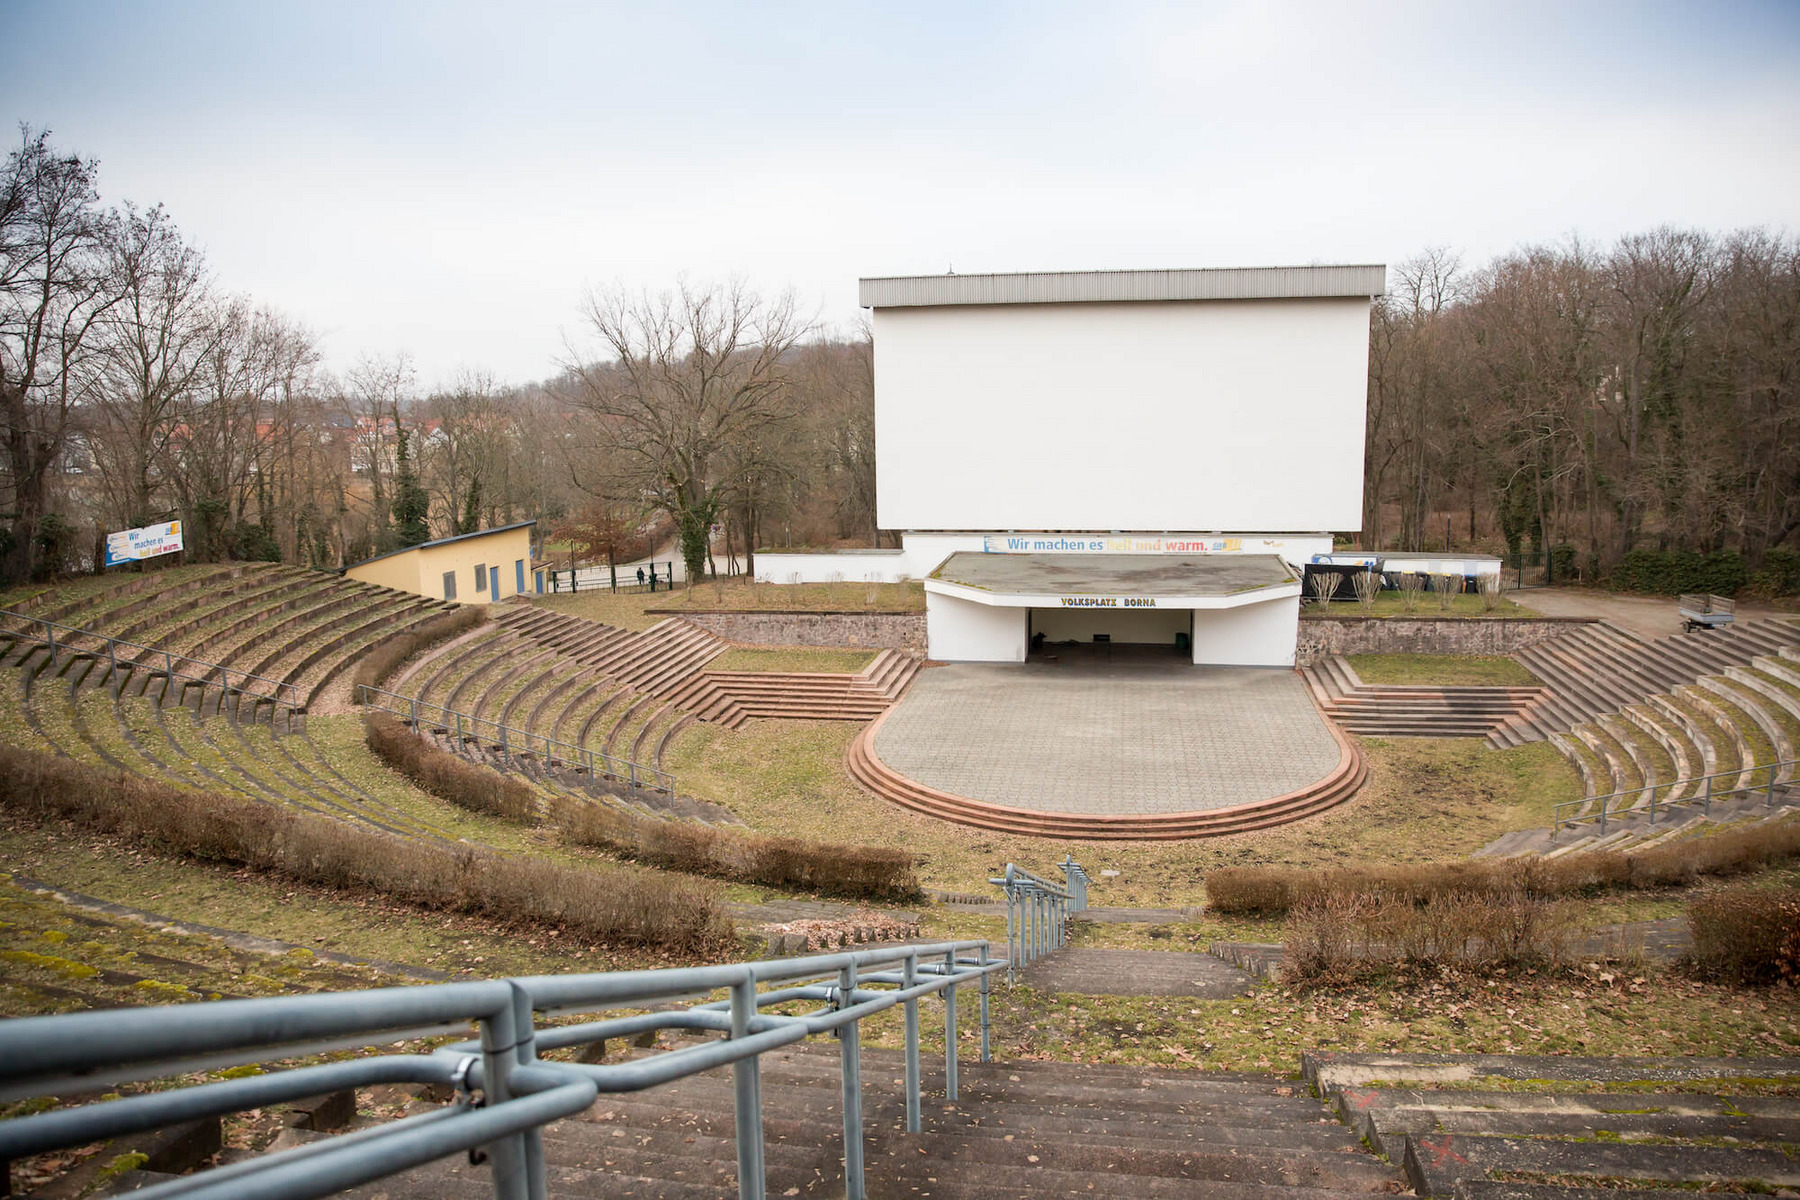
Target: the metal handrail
(504, 1093)
(1037, 911)
(510, 740)
(282, 692)
(1703, 796)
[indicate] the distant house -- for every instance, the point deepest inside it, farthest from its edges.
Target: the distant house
(479, 567)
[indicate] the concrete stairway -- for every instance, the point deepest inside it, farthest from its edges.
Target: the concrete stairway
(1019, 1129)
(1602, 668)
(659, 660)
(1564, 1128)
(1388, 710)
(732, 697)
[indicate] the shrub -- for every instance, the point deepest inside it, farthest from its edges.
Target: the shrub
(1277, 890)
(446, 776)
(391, 653)
(610, 903)
(1779, 574)
(1746, 935)
(873, 872)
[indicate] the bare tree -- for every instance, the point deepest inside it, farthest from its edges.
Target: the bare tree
(689, 379)
(54, 287)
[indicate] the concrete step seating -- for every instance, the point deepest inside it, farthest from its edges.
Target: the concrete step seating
(658, 660)
(1507, 1127)
(730, 698)
(1602, 668)
(1017, 1129)
(866, 767)
(1388, 710)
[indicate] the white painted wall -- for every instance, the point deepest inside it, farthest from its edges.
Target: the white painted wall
(1253, 635)
(963, 631)
(1132, 416)
(851, 566)
(1149, 627)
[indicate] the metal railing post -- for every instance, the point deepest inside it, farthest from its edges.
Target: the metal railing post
(1012, 951)
(850, 1048)
(1603, 816)
(986, 1053)
(526, 1054)
(746, 1084)
(1653, 803)
(499, 1047)
(909, 977)
(50, 633)
(1769, 788)
(412, 708)
(950, 1031)
(1708, 809)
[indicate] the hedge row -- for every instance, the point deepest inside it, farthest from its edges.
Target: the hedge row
(864, 872)
(611, 904)
(1277, 890)
(1674, 572)
(390, 654)
(461, 782)
(1746, 935)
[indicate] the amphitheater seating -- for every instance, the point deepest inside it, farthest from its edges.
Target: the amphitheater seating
(866, 767)
(733, 697)
(1412, 711)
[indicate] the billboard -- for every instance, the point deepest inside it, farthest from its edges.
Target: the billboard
(130, 545)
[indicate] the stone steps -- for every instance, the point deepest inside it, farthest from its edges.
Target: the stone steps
(1388, 710)
(1644, 1120)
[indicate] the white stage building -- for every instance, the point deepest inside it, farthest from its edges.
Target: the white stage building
(1113, 457)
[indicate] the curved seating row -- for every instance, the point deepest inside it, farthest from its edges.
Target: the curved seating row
(1389, 710)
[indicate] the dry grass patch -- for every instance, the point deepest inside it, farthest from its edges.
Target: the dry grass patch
(1747, 934)
(1427, 799)
(606, 903)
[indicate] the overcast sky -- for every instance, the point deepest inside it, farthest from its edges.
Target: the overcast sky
(447, 179)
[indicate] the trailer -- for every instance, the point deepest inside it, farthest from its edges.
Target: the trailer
(1707, 611)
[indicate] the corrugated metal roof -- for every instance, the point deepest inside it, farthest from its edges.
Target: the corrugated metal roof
(1086, 287)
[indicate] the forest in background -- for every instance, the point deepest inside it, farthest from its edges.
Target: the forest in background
(1629, 412)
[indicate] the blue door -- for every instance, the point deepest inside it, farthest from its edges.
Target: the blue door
(519, 571)
(494, 582)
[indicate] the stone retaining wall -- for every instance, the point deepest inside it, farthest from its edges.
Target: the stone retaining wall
(874, 630)
(1320, 636)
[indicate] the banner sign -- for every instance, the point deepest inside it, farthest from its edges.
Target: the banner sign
(1103, 544)
(132, 544)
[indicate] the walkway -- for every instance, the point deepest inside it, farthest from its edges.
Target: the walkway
(1108, 737)
(1646, 616)
(1082, 971)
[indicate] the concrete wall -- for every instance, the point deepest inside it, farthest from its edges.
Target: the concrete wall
(1251, 635)
(1146, 416)
(1320, 636)
(875, 630)
(832, 566)
(1144, 627)
(963, 631)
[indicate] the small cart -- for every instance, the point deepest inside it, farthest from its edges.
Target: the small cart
(1707, 612)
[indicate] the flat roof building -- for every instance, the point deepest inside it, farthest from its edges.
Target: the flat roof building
(479, 567)
(1106, 416)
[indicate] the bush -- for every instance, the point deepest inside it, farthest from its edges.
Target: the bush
(461, 782)
(1673, 572)
(611, 904)
(1335, 937)
(1746, 935)
(868, 872)
(1277, 890)
(871, 872)
(1779, 575)
(387, 656)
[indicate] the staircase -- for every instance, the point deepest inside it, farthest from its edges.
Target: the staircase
(1390, 710)
(1016, 1130)
(732, 697)
(1601, 668)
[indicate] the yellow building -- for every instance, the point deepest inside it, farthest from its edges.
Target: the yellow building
(479, 567)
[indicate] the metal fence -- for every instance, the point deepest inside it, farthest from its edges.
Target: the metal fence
(1701, 791)
(1037, 911)
(504, 1093)
(635, 577)
(121, 655)
(512, 742)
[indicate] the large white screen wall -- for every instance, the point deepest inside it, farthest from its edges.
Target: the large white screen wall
(1138, 416)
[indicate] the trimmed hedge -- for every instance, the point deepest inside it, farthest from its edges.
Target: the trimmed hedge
(461, 782)
(613, 904)
(390, 654)
(1276, 890)
(1673, 572)
(862, 872)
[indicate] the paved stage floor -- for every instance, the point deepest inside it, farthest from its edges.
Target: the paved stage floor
(1098, 735)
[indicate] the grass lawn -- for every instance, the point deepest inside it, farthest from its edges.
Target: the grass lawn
(792, 658)
(1393, 604)
(1427, 799)
(631, 610)
(1444, 670)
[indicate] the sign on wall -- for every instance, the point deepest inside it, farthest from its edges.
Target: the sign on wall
(1030, 543)
(130, 545)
